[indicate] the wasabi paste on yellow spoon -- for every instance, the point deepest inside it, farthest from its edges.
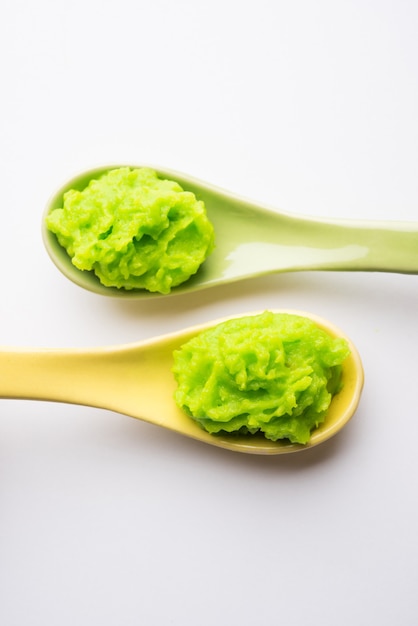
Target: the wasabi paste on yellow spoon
(250, 240)
(138, 380)
(273, 374)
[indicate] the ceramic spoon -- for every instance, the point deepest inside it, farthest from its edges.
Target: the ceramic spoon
(252, 240)
(136, 380)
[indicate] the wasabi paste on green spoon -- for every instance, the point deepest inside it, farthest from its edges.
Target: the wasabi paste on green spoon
(250, 240)
(133, 230)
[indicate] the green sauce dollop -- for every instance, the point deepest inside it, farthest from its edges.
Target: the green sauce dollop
(134, 230)
(273, 373)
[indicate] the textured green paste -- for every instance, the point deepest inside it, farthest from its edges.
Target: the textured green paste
(273, 373)
(134, 230)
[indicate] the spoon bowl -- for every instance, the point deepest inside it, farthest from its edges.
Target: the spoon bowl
(252, 240)
(137, 380)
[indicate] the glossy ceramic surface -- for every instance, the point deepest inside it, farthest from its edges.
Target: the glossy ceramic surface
(252, 240)
(136, 380)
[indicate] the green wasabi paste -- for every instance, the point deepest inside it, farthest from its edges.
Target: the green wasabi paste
(273, 373)
(134, 230)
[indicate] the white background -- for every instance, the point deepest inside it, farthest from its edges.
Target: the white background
(307, 106)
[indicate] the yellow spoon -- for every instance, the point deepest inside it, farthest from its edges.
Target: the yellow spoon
(136, 380)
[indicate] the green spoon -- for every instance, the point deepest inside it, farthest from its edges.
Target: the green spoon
(252, 240)
(136, 380)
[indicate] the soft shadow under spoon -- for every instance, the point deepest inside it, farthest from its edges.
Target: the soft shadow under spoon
(252, 240)
(136, 380)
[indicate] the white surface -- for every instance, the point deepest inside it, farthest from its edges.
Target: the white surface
(308, 106)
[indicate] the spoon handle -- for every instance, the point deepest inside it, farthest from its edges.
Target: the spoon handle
(301, 243)
(114, 378)
(366, 245)
(133, 379)
(56, 375)
(260, 239)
